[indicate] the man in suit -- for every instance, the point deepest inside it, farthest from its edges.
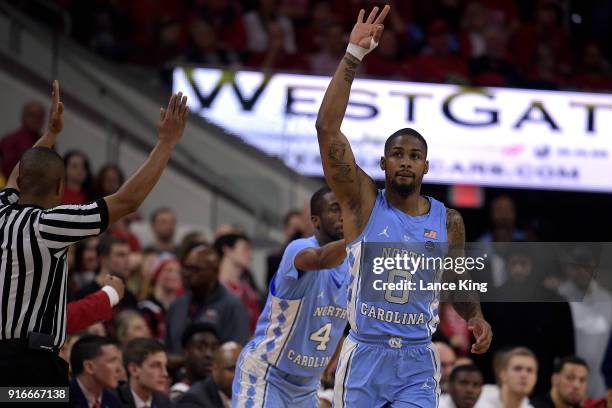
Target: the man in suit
(147, 387)
(96, 366)
(216, 390)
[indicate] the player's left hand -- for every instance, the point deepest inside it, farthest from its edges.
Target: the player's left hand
(56, 113)
(483, 334)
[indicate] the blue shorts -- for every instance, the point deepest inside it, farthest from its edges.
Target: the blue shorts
(261, 385)
(378, 371)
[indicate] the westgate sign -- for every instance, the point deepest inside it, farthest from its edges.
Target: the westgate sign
(484, 136)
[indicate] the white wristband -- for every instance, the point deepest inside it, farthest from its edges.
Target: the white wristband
(113, 296)
(360, 52)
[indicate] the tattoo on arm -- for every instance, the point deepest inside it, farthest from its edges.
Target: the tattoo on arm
(466, 304)
(336, 152)
(341, 170)
(351, 70)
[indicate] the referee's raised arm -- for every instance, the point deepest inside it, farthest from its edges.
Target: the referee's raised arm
(35, 232)
(133, 192)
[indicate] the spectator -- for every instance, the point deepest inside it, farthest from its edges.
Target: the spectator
(387, 61)
(205, 46)
(543, 73)
(226, 20)
(79, 182)
(163, 225)
(275, 57)
(216, 390)
(473, 26)
(312, 36)
(447, 362)
(189, 239)
(502, 229)
(130, 325)
(518, 376)
(464, 388)
(516, 310)
(145, 362)
(234, 274)
(200, 342)
(594, 72)
(293, 228)
(13, 145)
(109, 179)
(85, 265)
(205, 300)
(96, 366)
(167, 282)
(258, 24)
(569, 385)
(547, 31)
(591, 307)
(438, 63)
(114, 255)
(333, 48)
(224, 229)
(494, 67)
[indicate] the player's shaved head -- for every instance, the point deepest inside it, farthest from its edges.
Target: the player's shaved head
(405, 132)
(41, 173)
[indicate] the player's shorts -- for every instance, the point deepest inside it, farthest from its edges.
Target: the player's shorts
(260, 385)
(383, 371)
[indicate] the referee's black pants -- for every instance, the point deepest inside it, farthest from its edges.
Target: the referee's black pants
(23, 367)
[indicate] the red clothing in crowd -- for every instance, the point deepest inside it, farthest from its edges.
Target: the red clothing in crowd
(74, 196)
(13, 146)
(249, 298)
(441, 68)
(84, 312)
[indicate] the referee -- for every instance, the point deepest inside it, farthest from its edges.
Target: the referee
(35, 233)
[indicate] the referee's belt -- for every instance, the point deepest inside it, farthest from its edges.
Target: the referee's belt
(35, 341)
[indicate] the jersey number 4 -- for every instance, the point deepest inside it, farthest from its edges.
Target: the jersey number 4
(322, 336)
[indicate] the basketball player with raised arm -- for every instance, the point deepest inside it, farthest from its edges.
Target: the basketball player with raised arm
(388, 358)
(303, 320)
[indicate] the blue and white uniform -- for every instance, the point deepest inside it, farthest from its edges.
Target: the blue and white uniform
(296, 335)
(388, 357)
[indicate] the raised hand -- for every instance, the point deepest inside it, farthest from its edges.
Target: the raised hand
(56, 113)
(173, 119)
(371, 29)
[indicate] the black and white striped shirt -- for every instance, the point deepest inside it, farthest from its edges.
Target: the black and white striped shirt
(33, 269)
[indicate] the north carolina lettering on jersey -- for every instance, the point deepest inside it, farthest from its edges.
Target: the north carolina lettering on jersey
(307, 361)
(391, 316)
(330, 311)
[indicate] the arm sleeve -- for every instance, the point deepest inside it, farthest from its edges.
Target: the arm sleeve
(66, 224)
(287, 269)
(9, 196)
(91, 309)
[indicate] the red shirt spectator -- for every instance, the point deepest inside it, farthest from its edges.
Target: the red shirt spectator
(14, 144)
(249, 298)
(437, 63)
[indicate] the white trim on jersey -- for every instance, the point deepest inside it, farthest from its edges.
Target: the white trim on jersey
(344, 366)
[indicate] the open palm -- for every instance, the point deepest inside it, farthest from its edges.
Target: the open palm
(371, 29)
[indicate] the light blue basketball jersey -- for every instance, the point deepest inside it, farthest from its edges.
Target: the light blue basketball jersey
(304, 317)
(414, 315)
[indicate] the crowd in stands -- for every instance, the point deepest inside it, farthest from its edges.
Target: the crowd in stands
(188, 307)
(533, 44)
